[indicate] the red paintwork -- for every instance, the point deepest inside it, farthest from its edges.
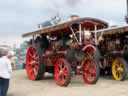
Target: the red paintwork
(50, 58)
(89, 48)
(88, 71)
(61, 72)
(32, 64)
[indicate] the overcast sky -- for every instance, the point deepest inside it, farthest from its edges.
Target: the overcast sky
(21, 16)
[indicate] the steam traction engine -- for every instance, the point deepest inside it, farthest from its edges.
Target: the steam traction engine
(113, 48)
(63, 50)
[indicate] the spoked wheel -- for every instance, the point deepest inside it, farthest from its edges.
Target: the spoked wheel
(90, 71)
(62, 72)
(34, 66)
(119, 69)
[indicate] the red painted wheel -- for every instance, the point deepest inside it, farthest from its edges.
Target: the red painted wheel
(34, 66)
(90, 71)
(62, 72)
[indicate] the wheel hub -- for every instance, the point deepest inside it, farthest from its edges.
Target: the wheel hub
(60, 72)
(32, 63)
(119, 69)
(91, 71)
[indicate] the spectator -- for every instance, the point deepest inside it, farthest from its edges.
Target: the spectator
(5, 72)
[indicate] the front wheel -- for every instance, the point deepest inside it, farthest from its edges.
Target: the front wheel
(90, 71)
(34, 63)
(62, 72)
(119, 69)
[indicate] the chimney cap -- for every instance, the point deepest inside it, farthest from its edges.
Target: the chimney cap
(74, 16)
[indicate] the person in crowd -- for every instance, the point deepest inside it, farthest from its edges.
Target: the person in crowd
(5, 72)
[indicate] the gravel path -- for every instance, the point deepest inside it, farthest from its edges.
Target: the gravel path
(106, 86)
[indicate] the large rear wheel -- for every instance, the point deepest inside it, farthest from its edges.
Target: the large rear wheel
(119, 69)
(62, 72)
(34, 63)
(90, 71)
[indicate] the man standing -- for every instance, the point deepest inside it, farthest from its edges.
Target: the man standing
(5, 72)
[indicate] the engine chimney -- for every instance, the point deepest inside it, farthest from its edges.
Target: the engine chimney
(126, 17)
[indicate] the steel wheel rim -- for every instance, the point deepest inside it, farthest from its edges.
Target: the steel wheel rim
(117, 70)
(89, 71)
(61, 72)
(32, 63)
